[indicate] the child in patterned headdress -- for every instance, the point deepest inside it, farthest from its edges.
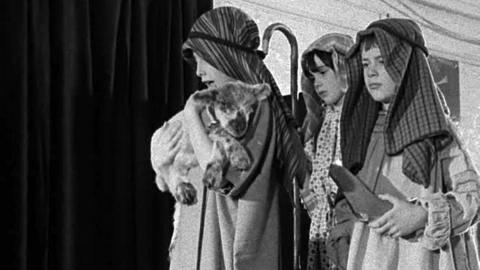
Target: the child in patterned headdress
(248, 226)
(324, 83)
(398, 140)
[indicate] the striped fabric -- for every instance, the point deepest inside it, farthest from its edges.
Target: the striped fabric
(338, 45)
(227, 38)
(237, 28)
(416, 123)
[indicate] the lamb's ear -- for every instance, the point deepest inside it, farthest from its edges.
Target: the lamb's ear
(262, 91)
(206, 96)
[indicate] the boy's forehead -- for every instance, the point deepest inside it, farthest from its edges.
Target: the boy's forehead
(368, 42)
(373, 51)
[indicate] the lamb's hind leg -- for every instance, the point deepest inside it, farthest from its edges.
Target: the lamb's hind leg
(184, 191)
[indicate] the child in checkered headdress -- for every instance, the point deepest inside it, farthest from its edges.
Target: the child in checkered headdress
(397, 138)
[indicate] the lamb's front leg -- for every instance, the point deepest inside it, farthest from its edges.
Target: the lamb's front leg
(234, 150)
(214, 171)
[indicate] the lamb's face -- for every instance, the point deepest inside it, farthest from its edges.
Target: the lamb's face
(233, 118)
(233, 105)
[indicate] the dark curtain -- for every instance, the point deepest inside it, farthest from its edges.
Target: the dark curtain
(83, 86)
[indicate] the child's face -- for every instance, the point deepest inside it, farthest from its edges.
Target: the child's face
(211, 77)
(379, 83)
(326, 82)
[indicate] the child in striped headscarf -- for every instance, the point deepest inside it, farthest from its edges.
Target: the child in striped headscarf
(398, 140)
(324, 83)
(250, 226)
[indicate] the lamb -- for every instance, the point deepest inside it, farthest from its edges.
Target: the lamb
(230, 109)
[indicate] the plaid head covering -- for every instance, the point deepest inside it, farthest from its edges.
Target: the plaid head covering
(338, 45)
(416, 123)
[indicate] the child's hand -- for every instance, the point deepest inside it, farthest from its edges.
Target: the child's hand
(193, 106)
(403, 219)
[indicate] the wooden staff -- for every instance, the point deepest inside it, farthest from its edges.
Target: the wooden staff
(294, 101)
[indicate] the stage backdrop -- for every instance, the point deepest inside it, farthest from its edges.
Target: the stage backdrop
(83, 86)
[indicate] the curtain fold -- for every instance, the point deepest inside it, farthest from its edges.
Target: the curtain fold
(83, 86)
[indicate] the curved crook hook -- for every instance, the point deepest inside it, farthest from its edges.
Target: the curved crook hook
(267, 35)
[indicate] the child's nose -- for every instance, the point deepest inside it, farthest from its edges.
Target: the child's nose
(199, 71)
(317, 81)
(372, 71)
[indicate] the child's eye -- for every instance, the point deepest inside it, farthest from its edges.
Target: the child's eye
(313, 70)
(364, 65)
(321, 71)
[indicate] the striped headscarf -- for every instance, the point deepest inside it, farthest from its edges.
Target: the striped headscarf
(227, 38)
(416, 123)
(338, 45)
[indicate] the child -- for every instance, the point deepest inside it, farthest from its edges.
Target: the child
(324, 83)
(398, 140)
(249, 226)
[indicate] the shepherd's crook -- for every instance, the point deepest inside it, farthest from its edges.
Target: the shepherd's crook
(293, 92)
